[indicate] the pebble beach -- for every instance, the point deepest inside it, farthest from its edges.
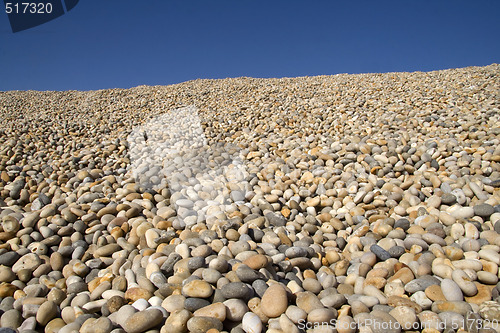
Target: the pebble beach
(346, 203)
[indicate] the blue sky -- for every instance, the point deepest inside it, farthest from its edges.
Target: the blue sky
(125, 43)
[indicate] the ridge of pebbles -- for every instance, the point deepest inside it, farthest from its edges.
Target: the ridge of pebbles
(373, 205)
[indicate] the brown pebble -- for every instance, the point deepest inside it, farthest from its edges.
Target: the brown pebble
(434, 293)
(133, 294)
(274, 301)
(115, 303)
(257, 262)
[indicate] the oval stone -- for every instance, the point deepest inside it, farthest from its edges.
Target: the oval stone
(275, 301)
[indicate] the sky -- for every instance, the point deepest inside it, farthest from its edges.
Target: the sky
(103, 44)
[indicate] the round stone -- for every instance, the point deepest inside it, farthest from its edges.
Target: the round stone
(320, 316)
(46, 312)
(257, 261)
(197, 288)
(11, 318)
(275, 301)
(143, 320)
(451, 290)
(308, 301)
(99, 325)
(312, 285)
(115, 303)
(236, 309)
(236, 290)
(251, 323)
(203, 324)
(484, 210)
(215, 310)
(464, 282)
(405, 316)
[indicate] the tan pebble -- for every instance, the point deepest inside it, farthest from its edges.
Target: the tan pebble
(459, 307)
(341, 267)
(213, 330)
(18, 294)
(257, 261)
(309, 274)
(394, 288)
(274, 301)
(307, 301)
(7, 289)
(416, 229)
(375, 281)
(489, 266)
(54, 325)
(46, 312)
(133, 294)
(323, 315)
(197, 288)
(453, 253)
(332, 257)
(404, 274)
(442, 270)
(346, 324)
(403, 301)
(405, 316)
(434, 293)
(254, 305)
(215, 310)
(377, 272)
(143, 320)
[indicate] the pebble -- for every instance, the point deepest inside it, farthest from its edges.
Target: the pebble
(487, 277)
(54, 325)
(323, 315)
(197, 288)
(451, 290)
(430, 320)
(307, 301)
(490, 310)
(257, 262)
(46, 312)
(143, 321)
(383, 322)
(11, 318)
(464, 282)
(251, 323)
(203, 324)
(451, 306)
(177, 321)
(236, 290)
(484, 210)
(193, 304)
(236, 309)
(100, 325)
(405, 316)
(451, 319)
(296, 314)
(483, 294)
(380, 252)
(275, 301)
(421, 284)
(215, 310)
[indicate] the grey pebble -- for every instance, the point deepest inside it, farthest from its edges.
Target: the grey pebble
(380, 252)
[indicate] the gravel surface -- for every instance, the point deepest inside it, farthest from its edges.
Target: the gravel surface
(346, 203)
